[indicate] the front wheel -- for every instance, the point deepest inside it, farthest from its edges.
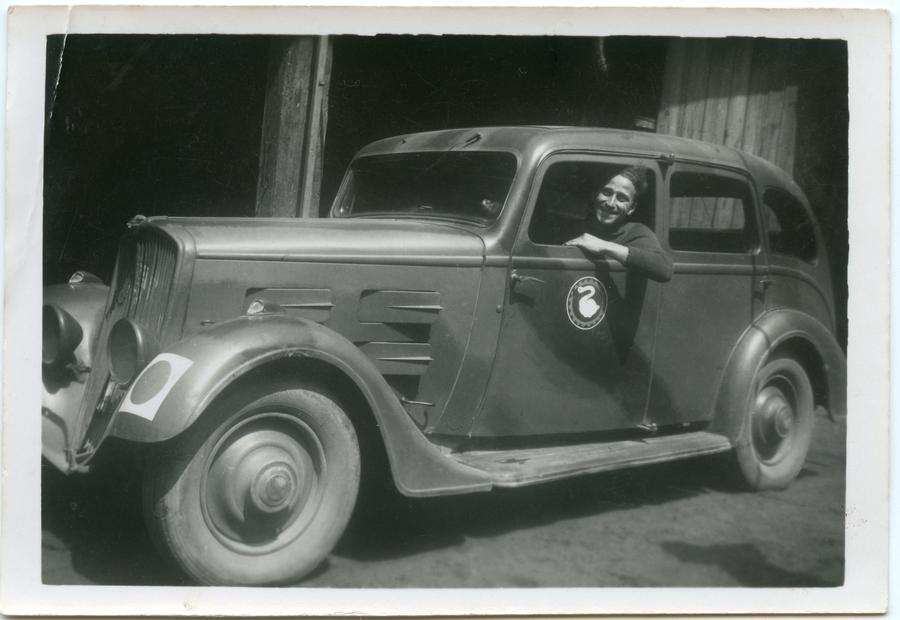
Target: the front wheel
(259, 490)
(778, 426)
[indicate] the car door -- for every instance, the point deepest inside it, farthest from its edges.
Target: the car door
(716, 291)
(576, 336)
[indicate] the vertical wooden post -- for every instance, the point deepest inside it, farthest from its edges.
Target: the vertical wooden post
(318, 124)
(293, 128)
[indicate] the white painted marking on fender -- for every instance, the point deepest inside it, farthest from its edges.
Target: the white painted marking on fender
(150, 408)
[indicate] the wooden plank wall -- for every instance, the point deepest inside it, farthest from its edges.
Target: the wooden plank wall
(734, 91)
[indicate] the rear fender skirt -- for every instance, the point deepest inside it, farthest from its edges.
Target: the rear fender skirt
(63, 390)
(763, 337)
(180, 383)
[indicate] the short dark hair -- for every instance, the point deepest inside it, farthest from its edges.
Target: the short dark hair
(639, 176)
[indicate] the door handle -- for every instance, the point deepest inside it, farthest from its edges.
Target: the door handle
(515, 278)
(762, 286)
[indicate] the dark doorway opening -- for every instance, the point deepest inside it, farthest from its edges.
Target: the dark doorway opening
(388, 85)
(145, 124)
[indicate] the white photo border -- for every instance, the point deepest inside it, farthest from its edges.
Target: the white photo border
(868, 37)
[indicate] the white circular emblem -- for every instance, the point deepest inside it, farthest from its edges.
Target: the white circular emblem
(586, 302)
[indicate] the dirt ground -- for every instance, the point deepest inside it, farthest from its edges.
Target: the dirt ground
(677, 524)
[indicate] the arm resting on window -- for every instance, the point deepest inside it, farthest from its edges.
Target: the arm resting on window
(637, 249)
(656, 265)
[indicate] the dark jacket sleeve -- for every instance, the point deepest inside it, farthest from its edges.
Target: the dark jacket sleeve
(645, 255)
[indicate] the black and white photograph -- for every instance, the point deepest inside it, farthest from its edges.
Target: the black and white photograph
(333, 311)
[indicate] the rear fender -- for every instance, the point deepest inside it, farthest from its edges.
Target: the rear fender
(63, 388)
(774, 330)
(180, 383)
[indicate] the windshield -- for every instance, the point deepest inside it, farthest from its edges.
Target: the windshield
(469, 186)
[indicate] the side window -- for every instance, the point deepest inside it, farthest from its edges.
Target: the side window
(788, 227)
(710, 213)
(565, 200)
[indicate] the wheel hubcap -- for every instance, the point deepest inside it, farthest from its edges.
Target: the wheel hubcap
(774, 419)
(262, 483)
(273, 488)
(784, 422)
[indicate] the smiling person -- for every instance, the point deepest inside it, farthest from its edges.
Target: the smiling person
(609, 234)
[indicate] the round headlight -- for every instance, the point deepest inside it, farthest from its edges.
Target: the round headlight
(84, 277)
(130, 349)
(61, 333)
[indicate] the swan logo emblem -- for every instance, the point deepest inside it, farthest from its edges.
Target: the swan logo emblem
(586, 303)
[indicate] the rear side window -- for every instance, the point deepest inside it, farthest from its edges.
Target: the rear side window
(710, 213)
(788, 227)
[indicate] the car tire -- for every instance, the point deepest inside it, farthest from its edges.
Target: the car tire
(259, 490)
(778, 426)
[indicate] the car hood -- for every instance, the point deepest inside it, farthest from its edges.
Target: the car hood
(354, 240)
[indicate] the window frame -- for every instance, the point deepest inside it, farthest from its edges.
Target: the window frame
(751, 210)
(348, 180)
(524, 241)
(807, 213)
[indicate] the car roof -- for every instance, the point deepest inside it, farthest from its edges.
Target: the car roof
(540, 139)
(547, 138)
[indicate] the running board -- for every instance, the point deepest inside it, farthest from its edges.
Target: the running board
(514, 468)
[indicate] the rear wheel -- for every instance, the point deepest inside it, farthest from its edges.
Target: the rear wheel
(778, 425)
(259, 490)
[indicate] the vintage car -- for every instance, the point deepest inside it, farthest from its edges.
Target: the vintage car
(437, 319)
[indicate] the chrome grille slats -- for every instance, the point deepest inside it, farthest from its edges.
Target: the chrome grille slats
(137, 306)
(162, 279)
(143, 285)
(132, 308)
(153, 268)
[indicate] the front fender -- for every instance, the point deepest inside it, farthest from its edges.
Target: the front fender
(764, 336)
(201, 366)
(63, 388)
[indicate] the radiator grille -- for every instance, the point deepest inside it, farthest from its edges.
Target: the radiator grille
(143, 284)
(144, 278)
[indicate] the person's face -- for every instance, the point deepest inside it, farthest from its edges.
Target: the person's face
(615, 201)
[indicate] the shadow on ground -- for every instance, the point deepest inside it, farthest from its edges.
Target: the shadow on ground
(98, 519)
(395, 527)
(745, 563)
